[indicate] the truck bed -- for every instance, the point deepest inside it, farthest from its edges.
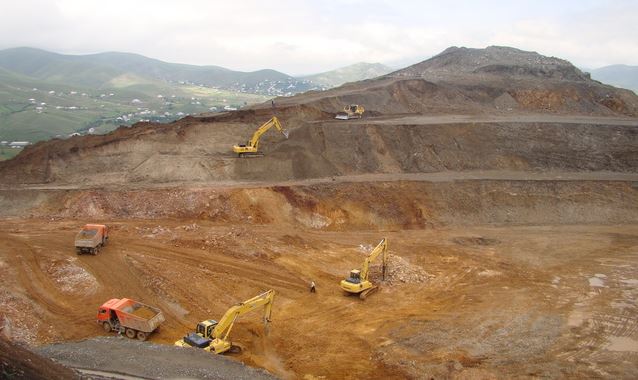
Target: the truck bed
(88, 239)
(139, 316)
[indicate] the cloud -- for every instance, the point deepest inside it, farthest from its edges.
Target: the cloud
(310, 36)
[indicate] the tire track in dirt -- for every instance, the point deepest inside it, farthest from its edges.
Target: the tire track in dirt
(246, 270)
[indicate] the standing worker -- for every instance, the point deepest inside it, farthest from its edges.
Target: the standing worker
(312, 287)
(272, 102)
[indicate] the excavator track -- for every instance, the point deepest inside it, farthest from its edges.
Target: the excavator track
(364, 294)
(250, 155)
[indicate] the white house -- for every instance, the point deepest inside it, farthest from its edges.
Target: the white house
(19, 144)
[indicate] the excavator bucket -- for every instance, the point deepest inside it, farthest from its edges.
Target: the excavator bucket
(342, 116)
(285, 132)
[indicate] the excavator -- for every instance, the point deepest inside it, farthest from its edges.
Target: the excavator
(250, 148)
(212, 335)
(353, 111)
(357, 282)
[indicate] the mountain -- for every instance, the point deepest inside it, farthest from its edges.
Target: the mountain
(104, 70)
(506, 62)
(358, 71)
(463, 80)
(618, 75)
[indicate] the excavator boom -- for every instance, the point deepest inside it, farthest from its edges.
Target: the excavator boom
(358, 282)
(213, 336)
(252, 146)
(381, 248)
(220, 334)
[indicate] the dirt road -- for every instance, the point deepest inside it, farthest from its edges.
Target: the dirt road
(443, 176)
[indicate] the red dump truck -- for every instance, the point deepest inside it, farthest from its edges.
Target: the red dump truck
(130, 317)
(91, 238)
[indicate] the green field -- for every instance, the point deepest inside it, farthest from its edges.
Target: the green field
(67, 110)
(7, 153)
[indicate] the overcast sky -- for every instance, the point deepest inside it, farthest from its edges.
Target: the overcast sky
(302, 37)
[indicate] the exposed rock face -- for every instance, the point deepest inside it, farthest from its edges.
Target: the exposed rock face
(496, 60)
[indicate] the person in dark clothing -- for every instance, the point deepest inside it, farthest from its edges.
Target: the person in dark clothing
(313, 287)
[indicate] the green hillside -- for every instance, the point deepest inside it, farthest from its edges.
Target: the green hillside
(34, 110)
(99, 70)
(352, 73)
(45, 95)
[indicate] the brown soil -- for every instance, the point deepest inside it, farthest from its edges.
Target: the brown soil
(505, 182)
(502, 300)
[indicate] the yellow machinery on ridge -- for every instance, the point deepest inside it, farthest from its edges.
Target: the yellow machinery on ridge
(353, 111)
(357, 282)
(250, 148)
(212, 336)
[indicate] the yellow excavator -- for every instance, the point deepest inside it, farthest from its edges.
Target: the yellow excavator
(212, 335)
(358, 282)
(353, 111)
(250, 148)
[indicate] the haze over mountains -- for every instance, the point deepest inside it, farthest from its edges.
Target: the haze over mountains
(45, 94)
(618, 75)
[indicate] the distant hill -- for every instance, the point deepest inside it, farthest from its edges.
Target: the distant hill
(353, 73)
(105, 70)
(618, 75)
(45, 94)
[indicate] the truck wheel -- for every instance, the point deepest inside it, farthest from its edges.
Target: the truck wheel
(106, 326)
(130, 333)
(141, 335)
(96, 250)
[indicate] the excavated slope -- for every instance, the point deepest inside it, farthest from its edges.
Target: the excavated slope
(497, 82)
(195, 151)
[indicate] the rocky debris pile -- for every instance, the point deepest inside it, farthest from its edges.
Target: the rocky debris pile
(189, 227)
(71, 278)
(154, 232)
(401, 271)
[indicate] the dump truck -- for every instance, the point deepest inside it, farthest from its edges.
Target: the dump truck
(91, 238)
(130, 317)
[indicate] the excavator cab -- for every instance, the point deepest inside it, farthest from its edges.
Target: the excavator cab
(355, 276)
(201, 338)
(205, 328)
